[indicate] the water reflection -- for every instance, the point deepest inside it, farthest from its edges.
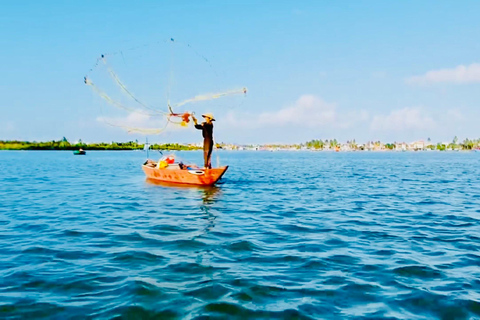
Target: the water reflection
(208, 195)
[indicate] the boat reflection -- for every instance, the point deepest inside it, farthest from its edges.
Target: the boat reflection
(209, 194)
(177, 185)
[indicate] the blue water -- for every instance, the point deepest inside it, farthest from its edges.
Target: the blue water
(287, 235)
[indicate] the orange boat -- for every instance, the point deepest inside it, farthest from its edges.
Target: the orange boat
(183, 174)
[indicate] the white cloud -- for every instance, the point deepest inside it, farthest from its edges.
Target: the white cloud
(419, 123)
(460, 74)
(403, 120)
(132, 119)
(308, 111)
(136, 122)
(308, 117)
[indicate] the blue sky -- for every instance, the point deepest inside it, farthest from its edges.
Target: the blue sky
(370, 70)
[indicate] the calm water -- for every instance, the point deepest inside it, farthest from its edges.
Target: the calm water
(288, 235)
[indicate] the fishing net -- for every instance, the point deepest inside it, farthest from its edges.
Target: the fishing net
(150, 88)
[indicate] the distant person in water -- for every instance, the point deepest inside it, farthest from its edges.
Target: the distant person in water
(207, 132)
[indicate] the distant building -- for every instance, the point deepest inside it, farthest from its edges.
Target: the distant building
(417, 145)
(401, 146)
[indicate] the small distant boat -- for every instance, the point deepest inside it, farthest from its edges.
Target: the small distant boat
(79, 152)
(182, 174)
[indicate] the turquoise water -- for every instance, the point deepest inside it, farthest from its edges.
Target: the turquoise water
(287, 235)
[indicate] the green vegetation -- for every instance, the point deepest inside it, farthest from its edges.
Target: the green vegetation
(64, 144)
(331, 144)
(173, 146)
(441, 147)
(315, 144)
(470, 144)
(390, 146)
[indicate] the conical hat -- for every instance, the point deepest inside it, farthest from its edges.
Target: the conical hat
(208, 115)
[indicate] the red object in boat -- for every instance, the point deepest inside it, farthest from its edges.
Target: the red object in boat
(202, 177)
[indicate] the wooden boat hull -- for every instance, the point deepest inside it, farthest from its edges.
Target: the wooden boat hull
(201, 177)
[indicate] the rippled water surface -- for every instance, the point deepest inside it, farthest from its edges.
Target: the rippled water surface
(287, 235)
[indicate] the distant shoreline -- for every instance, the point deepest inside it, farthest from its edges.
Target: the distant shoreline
(65, 145)
(313, 145)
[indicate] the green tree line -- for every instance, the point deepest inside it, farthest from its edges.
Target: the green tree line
(64, 144)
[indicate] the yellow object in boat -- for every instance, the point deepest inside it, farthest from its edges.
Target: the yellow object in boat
(162, 164)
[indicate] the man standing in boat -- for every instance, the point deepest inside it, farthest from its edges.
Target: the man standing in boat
(207, 132)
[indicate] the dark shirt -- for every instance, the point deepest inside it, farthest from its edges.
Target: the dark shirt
(207, 130)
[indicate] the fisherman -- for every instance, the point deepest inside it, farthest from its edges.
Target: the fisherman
(207, 132)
